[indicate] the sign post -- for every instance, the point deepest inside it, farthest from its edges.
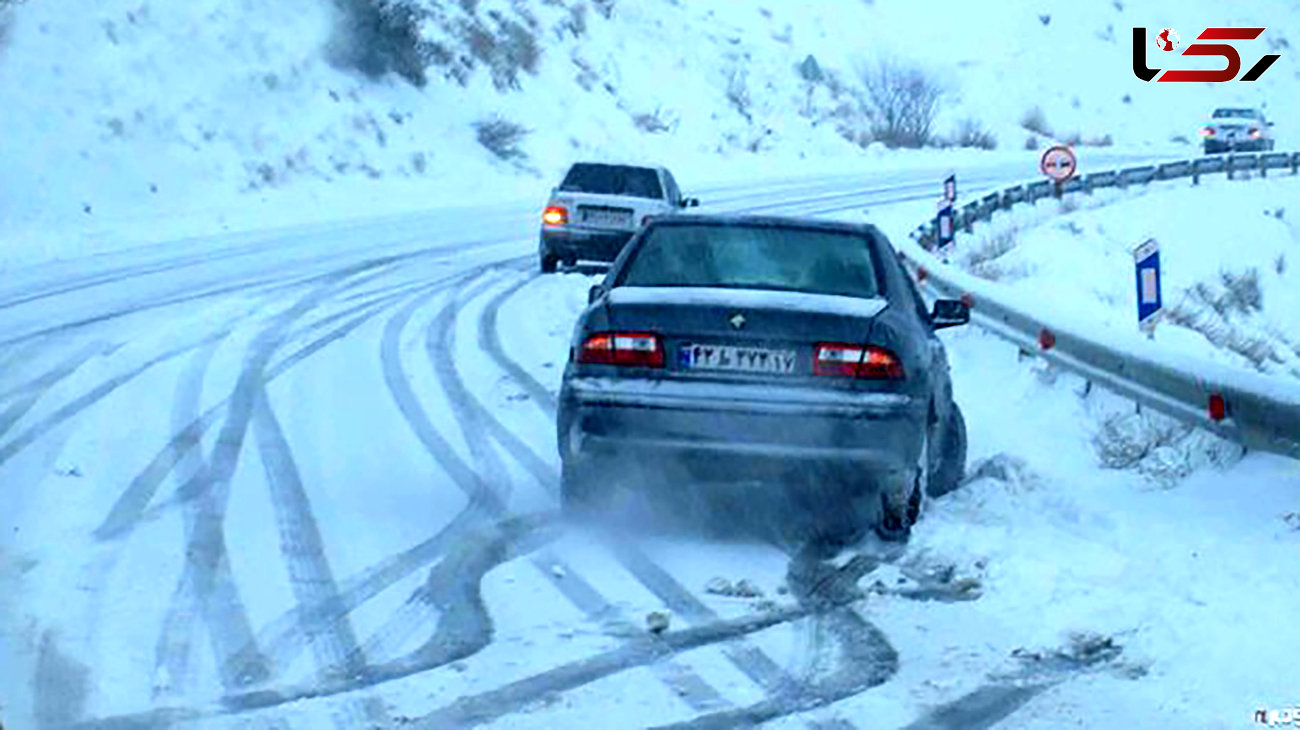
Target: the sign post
(950, 189)
(1146, 264)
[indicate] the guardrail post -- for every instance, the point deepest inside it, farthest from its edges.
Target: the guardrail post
(1295, 163)
(1263, 168)
(1228, 165)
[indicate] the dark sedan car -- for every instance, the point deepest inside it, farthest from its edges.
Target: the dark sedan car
(745, 350)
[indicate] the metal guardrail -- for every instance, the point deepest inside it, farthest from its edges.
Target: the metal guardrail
(1255, 410)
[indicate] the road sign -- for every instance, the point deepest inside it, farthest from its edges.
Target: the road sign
(950, 189)
(1059, 163)
(944, 223)
(1146, 264)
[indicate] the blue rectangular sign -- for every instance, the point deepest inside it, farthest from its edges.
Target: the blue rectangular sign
(1146, 265)
(944, 223)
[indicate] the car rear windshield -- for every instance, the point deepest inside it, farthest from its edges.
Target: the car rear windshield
(638, 182)
(1234, 113)
(754, 257)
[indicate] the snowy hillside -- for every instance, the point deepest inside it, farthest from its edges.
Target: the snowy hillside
(137, 120)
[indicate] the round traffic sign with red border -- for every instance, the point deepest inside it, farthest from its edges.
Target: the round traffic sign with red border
(1059, 163)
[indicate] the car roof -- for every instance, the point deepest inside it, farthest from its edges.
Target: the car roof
(637, 165)
(768, 221)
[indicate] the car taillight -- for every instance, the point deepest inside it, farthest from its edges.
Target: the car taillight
(1254, 132)
(1207, 132)
(855, 361)
(645, 219)
(643, 349)
(555, 215)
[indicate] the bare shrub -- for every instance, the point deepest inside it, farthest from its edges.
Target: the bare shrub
(1157, 447)
(604, 7)
(510, 48)
(738, 93)
(654, 122)
(903, 101)
(6, 23)
(1031, 142)
(377, 37)
(576, 23)
(1215, 313)
(1180, 139)
(1279, 264)
(501, 137)
(970, 133)
(1035, 121)
(982, 260)
(1103, 141)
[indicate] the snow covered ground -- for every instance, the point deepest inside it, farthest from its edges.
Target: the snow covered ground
(327, 499)
(294, 466)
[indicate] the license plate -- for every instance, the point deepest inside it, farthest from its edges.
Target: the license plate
(736, 359)
(613, 218)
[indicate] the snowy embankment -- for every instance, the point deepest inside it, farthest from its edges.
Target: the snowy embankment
(137, 121)
(1229, 254)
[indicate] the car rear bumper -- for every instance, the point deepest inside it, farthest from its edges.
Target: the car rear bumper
(583, 244)
(732, 432)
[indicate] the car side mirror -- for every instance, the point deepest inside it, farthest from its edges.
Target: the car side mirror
(595, 292)
(690, 202)
(949, 313)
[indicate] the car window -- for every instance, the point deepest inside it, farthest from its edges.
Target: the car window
(638, 182)
(754, 257)
(1235, 114)
(674, 193)
(912, 292)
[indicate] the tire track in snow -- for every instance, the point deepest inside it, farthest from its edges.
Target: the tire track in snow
(479, 428)
(311, 578)
(473, 555)
(826, 594)
(26, 396)
(132, 505)
(172, 666)
(88, 399)
(284, 636)
(206, 585)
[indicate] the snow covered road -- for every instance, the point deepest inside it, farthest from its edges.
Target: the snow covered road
(307, 478)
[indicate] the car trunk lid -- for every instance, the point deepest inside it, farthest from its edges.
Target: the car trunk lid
(741, 334)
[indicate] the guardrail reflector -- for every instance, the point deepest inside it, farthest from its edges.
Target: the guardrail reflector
(1046, 339)
(1218, 407)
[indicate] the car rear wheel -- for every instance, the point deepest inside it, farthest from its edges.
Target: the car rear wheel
(950, 466)
(900, 510)
(548, 263)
